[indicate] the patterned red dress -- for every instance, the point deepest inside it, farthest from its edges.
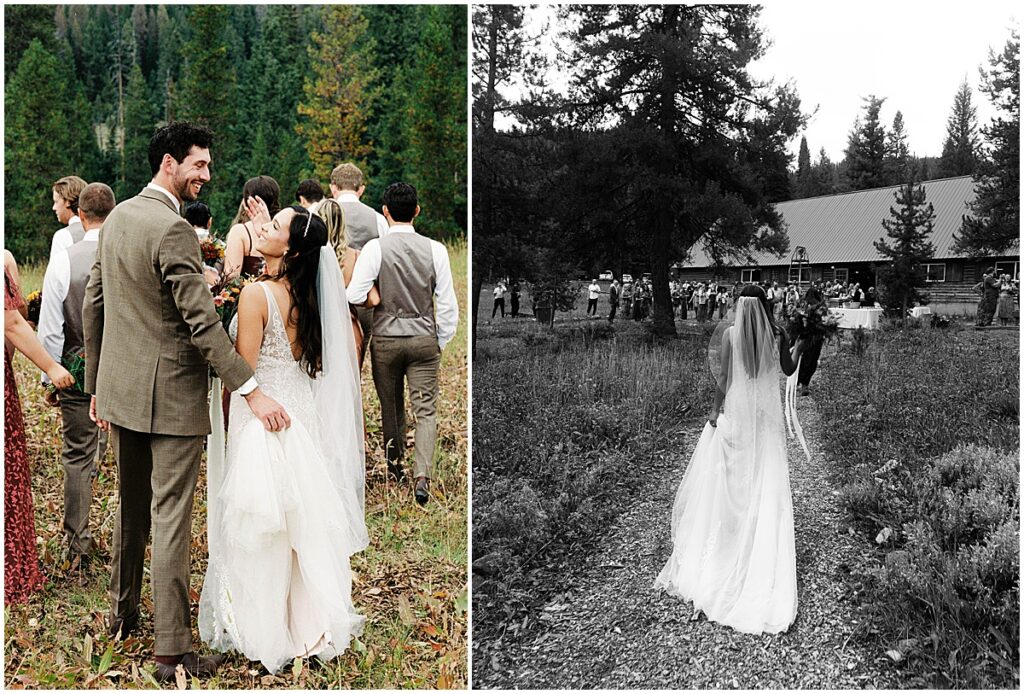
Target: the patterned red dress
(21, 562)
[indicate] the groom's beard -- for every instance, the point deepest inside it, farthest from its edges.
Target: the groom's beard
(184, 190)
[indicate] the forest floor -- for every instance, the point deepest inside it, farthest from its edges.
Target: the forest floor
(410, 583)
(601, 624)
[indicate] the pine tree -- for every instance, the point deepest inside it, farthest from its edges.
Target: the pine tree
(866, 149)
(207, 94)
(676, 77)
(960, 149)
(435, 124)
(47, 134)
(993, 226)
(825, 178)
(907, 247)
(140, 118)
(339, 97)
(806, 183)
(22, 25)
(273, 147)
(899, 163)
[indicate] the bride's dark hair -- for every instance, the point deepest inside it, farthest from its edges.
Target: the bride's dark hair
(301, 266)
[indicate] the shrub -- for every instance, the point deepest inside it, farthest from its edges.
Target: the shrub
(954, 581)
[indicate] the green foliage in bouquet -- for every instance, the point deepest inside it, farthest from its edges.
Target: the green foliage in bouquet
(805, 321)
(75, 364)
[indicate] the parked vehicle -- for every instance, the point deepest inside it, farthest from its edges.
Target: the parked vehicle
(627, 278)
(606, 276)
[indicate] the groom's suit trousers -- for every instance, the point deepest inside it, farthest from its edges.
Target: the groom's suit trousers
(158, 476)
(78, 455)
(416, 360)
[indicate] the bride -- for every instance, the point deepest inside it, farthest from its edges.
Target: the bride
(733, 551)
(285, 509)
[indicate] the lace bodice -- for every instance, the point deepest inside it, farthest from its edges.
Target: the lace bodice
(278, 373)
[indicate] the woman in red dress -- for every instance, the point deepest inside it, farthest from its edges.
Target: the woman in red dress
(21, 562)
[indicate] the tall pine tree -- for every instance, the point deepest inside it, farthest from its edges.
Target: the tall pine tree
(47, 135)
(907, 247)
(898, 156)
(140, 119)
(867, 149)
(804, 173)
(338, 98)
(208, 95)
(960, 148)
(436, 120)
(993, 226)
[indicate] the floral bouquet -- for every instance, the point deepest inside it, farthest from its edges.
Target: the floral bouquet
(811, 322)
(212, 249)
(225, 299)
(35, 303)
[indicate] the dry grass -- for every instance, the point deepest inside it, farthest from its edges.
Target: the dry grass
(410, 582)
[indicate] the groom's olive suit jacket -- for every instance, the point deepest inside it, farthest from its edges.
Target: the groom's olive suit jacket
(150, 325)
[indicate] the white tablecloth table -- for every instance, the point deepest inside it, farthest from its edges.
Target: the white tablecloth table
(919, 311)
(850, 318)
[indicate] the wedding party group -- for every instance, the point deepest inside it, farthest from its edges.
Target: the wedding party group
(139, 305)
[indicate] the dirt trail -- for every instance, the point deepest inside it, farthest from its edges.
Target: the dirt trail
(611, 629)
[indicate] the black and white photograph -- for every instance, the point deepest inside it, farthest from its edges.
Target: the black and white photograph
(745, 346)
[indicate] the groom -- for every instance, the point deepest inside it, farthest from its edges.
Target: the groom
(415, 319)
(150, 332)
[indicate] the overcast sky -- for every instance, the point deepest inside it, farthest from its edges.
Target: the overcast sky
(913, 54)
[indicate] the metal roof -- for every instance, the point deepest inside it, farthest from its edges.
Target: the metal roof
(843, 228)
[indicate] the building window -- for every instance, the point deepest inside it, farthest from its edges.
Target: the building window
(934, 272)
(841, 274)
(800, 274)
(1008, 267)
(750, 275)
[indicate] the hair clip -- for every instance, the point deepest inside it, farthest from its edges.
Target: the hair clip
(309, 218)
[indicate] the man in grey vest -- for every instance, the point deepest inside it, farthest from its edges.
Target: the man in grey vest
(65, 205)
(362, 224)
(415, 319)
(60, 332)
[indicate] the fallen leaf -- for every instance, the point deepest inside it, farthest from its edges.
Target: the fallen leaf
(405, 611)
(895, 655)
(179, 677)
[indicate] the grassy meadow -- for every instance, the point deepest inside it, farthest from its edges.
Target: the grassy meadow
(925, 433)
(411, 581)
(563, 422)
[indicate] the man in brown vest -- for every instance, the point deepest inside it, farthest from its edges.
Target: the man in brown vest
(151, 333)
(60, 332)
(362, 225)
(415, 319)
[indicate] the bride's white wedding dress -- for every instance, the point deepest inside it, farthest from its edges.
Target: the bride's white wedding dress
(733, 544)
(284, 518)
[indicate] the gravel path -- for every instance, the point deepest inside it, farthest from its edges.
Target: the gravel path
(611, 629)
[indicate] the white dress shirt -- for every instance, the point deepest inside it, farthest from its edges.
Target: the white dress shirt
(56, 283)
(595, 290)
(446, 308)
(382, 224)
(62, 240)
(174, 200)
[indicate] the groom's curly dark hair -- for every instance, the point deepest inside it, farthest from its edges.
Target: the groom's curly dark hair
(177, 139)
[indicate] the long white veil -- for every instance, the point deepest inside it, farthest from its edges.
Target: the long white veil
(338, 399)
(744, 353)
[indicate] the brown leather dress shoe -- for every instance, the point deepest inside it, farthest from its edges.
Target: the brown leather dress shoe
(195, 666)
(422, 490)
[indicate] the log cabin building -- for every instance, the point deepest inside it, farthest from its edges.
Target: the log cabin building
(837, 233)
